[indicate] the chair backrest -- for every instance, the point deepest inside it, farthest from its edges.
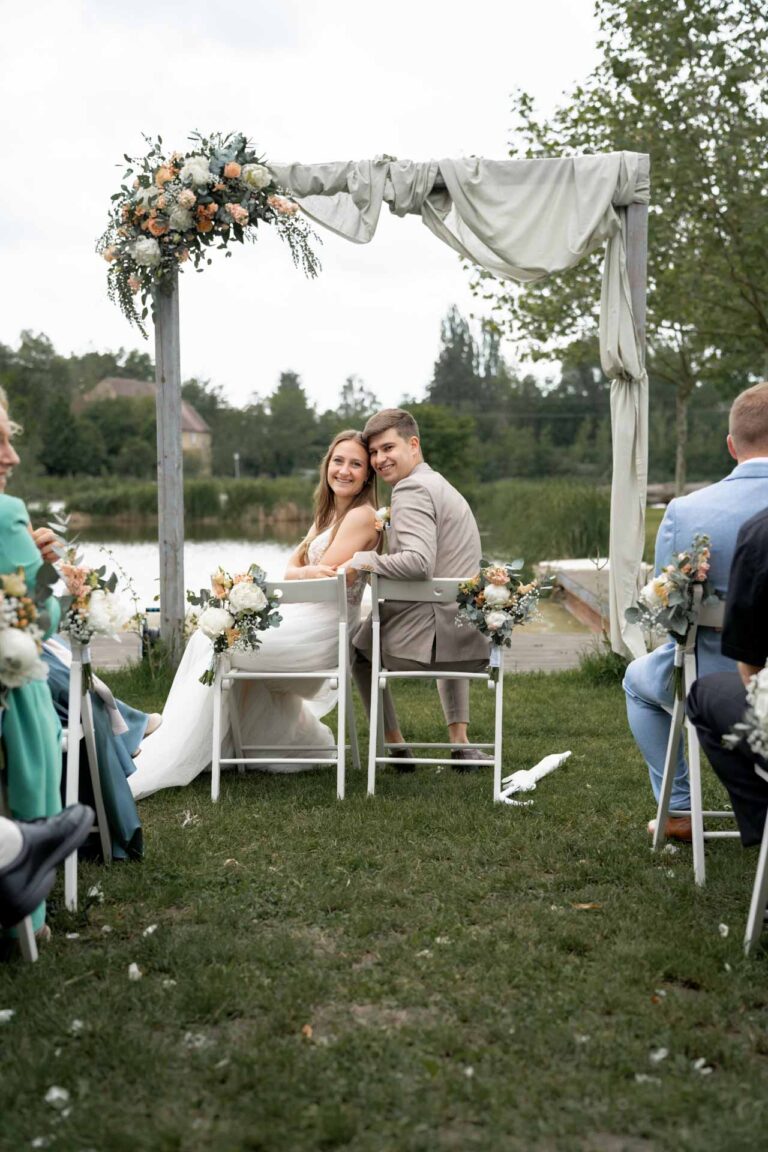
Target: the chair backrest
(326, 590)
(440, 590)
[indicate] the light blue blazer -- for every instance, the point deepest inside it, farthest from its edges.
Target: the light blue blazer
(719, 512)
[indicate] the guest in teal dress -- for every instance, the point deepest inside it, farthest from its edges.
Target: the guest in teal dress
(31, 731)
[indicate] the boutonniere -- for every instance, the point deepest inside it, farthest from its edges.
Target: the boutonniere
(383, 518)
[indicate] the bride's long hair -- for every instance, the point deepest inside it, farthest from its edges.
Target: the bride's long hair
(324, 501)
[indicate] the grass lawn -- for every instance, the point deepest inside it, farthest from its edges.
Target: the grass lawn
(421, 971)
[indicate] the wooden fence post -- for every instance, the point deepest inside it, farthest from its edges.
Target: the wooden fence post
(170, 476)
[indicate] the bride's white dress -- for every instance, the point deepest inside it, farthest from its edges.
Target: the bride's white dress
(271, 713)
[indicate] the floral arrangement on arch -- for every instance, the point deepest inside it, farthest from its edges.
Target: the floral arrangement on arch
(666, 603)
(235, 614)
(495, 602)
(174, 208)
(22, 626)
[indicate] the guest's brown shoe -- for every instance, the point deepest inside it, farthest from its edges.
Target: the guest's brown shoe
(406, 756)
(678, 828)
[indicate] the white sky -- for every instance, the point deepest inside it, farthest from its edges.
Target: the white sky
(80, 80)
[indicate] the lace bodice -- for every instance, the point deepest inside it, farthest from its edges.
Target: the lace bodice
(315, 552)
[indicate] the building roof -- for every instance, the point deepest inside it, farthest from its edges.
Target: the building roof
(123, 386)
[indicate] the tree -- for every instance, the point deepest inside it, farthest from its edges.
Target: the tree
(684, 82)
(356, 403)
(291, 426)
(447, 441)
(455, 376)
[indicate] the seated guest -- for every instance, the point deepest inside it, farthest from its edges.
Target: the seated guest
(717, 702)
(717, 511)
(30, 855)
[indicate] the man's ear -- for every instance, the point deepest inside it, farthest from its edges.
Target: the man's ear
(731, 446)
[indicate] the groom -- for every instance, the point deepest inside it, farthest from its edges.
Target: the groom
(432, 532)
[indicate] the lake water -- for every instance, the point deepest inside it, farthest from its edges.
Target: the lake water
(141, 561)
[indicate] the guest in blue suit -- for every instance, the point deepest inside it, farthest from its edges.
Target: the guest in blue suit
(719, 511)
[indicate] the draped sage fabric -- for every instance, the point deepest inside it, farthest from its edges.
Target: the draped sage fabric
(524, 220)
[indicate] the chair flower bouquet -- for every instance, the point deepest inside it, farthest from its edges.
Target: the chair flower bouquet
(667, 603)
(495, 602)
(90, 607)
(232, 617)
(22, 626)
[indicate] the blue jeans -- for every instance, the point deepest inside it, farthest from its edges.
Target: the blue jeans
(650, 698)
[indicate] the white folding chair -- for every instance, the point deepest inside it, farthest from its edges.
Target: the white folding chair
(231, 669)
(757, 905)
(25, 931)
(437, 591)
(80, 725)
(707, 615)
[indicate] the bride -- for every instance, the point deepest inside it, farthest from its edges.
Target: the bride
(344, 523)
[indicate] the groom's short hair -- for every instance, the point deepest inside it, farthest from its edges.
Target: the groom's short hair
(396, 418)
(748, 421)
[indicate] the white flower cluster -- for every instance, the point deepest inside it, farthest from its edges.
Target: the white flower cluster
(20, 644)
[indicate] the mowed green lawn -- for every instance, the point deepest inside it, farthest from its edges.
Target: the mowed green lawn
(420, 971)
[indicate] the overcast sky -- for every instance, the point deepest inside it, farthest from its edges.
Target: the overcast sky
(305, 80)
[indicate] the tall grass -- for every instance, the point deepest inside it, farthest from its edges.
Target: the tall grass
(543, 519)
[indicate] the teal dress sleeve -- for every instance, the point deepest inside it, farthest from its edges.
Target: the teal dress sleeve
(31, 731)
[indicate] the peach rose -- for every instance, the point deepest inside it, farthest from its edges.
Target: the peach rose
(163, 175)
(496, 575)
(187, 198)
(157, 227)
(74, 578)
(238, 213)
(134, 284)
(283, 206)
(219, 187)
(110, 253)
(204, 224)
(232, 170)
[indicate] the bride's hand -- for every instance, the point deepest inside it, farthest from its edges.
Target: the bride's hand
(47, 542)
(317, 571)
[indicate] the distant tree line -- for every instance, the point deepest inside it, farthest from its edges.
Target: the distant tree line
(480, 420)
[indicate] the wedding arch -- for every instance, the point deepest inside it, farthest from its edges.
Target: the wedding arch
(522, 220)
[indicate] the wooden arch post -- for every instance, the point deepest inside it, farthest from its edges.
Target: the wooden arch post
(170, 473)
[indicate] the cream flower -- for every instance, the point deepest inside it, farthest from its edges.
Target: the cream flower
(181, 219)
(146, 252)
(14, 584)
(496, 596)
(197, 172)
(19, 659)
(186, 198)
(495, 621)
(214, 621)
(106, 614)
(247, 598)
(256, 176)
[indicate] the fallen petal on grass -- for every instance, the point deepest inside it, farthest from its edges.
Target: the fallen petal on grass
(723, 929)
(589, 907)
(307, 1031)
(134, 972)
(644, 1078)
(57, 1097)
(150, 930)
(6, 1015)
(76, 1027)
(658, 1054)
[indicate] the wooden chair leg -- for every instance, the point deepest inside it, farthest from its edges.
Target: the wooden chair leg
(759, 898)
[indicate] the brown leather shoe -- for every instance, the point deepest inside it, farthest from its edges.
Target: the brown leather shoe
(678, 828)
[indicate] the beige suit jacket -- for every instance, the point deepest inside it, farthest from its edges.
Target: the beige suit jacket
(432, 532)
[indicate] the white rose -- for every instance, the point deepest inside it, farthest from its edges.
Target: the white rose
(247, 598)
(147, 196)
(146, 251)
(19, 659)
(197, 171)
(650, 594)
(181, 219)
(496, 595)
(256, 176)
(214, 621)
(495, 621)
(106, 614)
(759, 697)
